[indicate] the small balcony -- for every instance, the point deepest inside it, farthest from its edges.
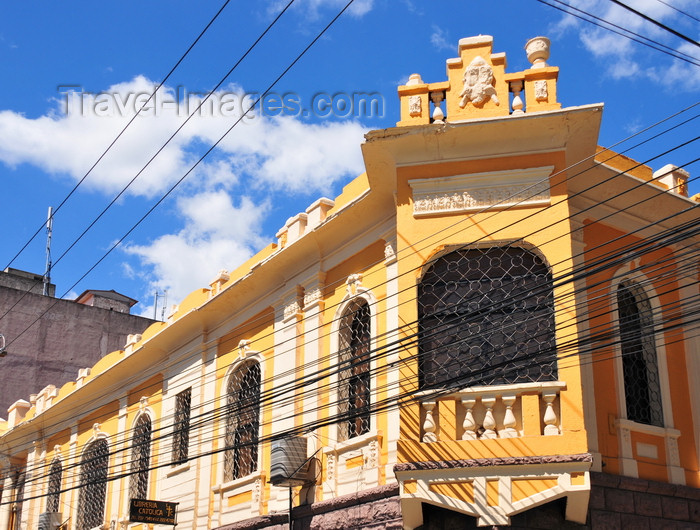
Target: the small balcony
(490, 412)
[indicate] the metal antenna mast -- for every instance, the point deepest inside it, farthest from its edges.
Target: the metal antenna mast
(47, 274)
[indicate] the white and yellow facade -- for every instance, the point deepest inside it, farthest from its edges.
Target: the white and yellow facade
(485, 159)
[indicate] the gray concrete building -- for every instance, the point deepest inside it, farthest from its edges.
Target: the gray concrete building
(49, 339)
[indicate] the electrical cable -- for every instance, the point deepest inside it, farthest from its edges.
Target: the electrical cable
(657, 23)
(102, 155)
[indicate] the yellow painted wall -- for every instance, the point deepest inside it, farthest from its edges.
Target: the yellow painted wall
(421, 238)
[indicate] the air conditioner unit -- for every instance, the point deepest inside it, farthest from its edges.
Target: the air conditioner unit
(290, 465)
(50, 520)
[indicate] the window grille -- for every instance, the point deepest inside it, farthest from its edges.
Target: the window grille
(19, 499)
(181, 429)
(639, 360)
(54, 492)
(93, 485)
(354, 377)
(140, 458)
(242, 421)
(486, 317)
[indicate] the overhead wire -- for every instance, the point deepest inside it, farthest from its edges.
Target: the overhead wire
(628, 34)
(656, 22)
(123, 130)
(679, 10)
(148, 163)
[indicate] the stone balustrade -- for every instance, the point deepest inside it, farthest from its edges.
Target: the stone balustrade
(488, 412)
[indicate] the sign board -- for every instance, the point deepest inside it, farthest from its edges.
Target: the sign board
(154, 512)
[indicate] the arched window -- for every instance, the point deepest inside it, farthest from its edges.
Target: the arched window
(93, 485)
(53, 495)
(486, 317)
(242, 421)
(354, 379)
(140, 458)
(639, 361)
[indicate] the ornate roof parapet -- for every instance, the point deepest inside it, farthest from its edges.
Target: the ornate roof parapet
(478, 86)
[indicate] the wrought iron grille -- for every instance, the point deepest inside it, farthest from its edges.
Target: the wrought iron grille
(181, 429)
(486, 317)
(93, 485)
(19, 499)
(242, 421)
(639, 361)
(354, 377)
(54, 492)
(140, 458)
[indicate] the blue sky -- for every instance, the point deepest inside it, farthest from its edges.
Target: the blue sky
(73, 73)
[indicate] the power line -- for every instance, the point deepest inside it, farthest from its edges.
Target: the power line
(109, 147)
(679, 10)
(656, 22)
(658, 192)
(626, 33)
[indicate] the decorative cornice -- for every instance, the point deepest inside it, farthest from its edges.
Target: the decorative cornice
(486, 462)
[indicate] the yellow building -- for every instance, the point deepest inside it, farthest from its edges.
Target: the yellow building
(491, 326)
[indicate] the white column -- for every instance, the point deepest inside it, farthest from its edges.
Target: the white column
(392, 359)
(6, 497)
(201, 439)
(313, 322)
(120, 497)
(287, 315)
(72, 475)
(33, 488)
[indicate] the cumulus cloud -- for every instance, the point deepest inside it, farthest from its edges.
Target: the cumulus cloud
(223, 203)
(217, 234)
(621, 57)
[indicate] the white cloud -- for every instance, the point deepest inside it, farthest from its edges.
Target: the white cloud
(265, 156)
(358, 8)
(283, 151)
(622, 58)
(217, 234)
(439, 38)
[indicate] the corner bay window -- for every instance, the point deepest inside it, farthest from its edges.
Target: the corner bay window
(486, 317)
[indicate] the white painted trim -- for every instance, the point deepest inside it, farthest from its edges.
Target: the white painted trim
(480, 191)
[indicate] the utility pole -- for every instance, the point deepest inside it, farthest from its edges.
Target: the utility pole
(47, 274)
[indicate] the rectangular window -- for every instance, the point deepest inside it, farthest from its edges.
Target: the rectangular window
(181, 427)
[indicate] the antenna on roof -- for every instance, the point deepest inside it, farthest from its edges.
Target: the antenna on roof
(49, 228)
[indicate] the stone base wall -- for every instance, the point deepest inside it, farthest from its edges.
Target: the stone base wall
(375, 509)
(624, 502)
(616, 502)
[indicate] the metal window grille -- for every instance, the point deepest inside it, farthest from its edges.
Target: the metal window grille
(54, 492)
(140, 458)
(639, 361)
(181, 429)
(242, 421)
(19, 499)
(93, 485)
(354, 377)
(486, 317)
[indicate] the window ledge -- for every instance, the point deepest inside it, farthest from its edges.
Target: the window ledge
(177, 469)
(354, 443)
(239, 482)
(654, 430)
